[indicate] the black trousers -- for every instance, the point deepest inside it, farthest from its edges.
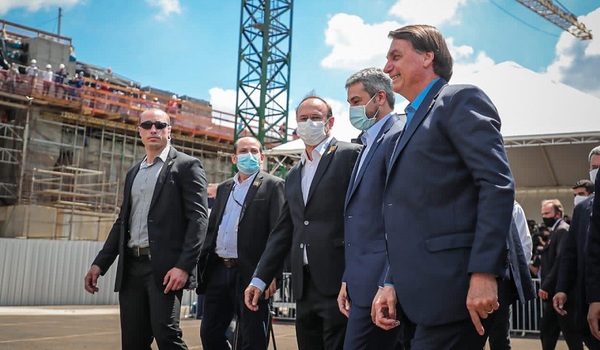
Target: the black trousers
(222, 300)
(319, 323)
(498, 330)
(146, 312)
(552, 324)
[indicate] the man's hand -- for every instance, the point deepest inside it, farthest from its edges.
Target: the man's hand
(251, 296)
(482, 298)
(175, 279)
(543, 294)
(91, 279)
(343, 302)
(594, 319)
(271, 290)
(559, 301)
(383, 308)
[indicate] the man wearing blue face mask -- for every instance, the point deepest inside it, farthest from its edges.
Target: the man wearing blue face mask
(245, 211)
(371, 100)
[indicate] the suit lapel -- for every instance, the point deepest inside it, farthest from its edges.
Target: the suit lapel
(294, 184)
(355, 179)
(226, 192)
(251, 193)
(163, 175)
(322, 167)
(127, 193)
(417, 119)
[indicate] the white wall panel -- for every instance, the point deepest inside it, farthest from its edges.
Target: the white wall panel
(50, 272)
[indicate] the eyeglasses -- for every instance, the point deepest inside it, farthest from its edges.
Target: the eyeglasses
(147, 125)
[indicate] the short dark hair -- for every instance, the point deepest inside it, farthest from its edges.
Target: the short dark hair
(426, 38)
(587, 184)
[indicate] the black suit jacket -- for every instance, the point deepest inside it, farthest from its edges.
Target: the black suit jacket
(260, 211)
(571, 271)
(317, 226)
(592, 272)
(177, 220)
(551, 257)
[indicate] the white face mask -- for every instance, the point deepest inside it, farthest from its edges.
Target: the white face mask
(579, 198)
(593, 174)
(312, 133)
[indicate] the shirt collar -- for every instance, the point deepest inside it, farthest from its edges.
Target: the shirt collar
(163, 156)
(250, 179)
(416, 103)
(318, 151)
(371, 133)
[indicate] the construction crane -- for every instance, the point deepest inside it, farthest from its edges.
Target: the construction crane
(263, 70)
(562, 18)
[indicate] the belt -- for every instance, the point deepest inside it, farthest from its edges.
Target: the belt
(229, 262)
(137, 251)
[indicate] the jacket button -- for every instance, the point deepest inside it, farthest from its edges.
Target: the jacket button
(301, 245)
(349, 216)
(306, 223)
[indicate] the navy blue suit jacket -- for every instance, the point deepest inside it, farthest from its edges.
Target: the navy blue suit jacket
(448, 203)
(366, 257)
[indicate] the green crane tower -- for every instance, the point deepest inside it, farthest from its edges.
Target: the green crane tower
(263, 71)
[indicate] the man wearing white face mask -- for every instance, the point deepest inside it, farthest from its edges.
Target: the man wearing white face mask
(245, 211)
(582, 190)
(311, 230)
(571, 285)
(371, 99)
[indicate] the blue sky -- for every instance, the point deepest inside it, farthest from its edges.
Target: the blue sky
(190, 46)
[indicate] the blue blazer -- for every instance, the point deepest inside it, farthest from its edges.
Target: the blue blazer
(366, 257)
(448, 203)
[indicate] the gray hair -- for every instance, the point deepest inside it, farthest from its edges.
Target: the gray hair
(595, 151)
(373, 80)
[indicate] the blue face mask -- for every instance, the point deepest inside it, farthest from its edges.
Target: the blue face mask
(248, 163)
(358, 116)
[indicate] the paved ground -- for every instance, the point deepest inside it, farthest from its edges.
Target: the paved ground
(95, 328)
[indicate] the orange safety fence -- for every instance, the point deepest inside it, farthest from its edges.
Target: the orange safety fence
(108, 101)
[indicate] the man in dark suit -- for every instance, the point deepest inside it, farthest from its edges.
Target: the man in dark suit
(245, 211)
(570, 298)
(592, 261)
(311, 230)
(371, 100)
(157, 237)
(447, 201)
(551, 324)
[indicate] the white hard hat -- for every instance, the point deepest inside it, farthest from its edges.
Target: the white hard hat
(33, 61)
(61, 66)
(48, 66)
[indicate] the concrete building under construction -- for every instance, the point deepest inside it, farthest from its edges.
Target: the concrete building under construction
(68, 137)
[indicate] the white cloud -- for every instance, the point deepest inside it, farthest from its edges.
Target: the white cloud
(577, 62)
(167, 7)
(222, 100)
(34, 5)
(355, 44)
(433, 12)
